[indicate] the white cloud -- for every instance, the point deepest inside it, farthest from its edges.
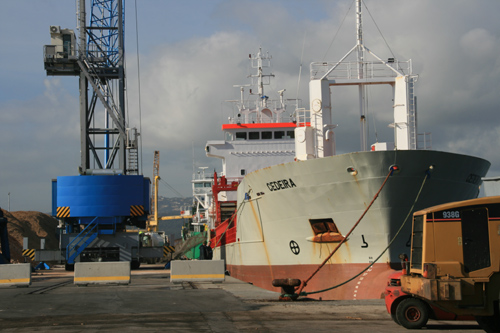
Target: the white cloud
(479, 44)
(39, 139)
(184, 86)
(454, 46)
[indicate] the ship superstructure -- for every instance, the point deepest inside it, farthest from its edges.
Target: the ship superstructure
(260, 133)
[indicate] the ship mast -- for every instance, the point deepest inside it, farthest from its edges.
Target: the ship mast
(260, 76)
(361, 87)
(397, 74)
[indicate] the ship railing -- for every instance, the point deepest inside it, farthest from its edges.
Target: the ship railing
(255, 118)
(233, 179)
(302, 117)
(424, 141)
(230, 180)
(274, 111)
(202, 190)
(349, 70)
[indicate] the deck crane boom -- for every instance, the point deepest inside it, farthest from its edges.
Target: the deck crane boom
(152, 224)
(109, 193)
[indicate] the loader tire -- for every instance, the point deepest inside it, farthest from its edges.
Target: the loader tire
(490, 324)
(412, 313)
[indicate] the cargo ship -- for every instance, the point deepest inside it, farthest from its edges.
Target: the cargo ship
(285, 199)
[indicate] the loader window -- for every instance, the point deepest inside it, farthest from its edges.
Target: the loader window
(416, 242)
(475, 238)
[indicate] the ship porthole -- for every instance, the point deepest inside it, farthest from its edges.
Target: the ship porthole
(294, 247)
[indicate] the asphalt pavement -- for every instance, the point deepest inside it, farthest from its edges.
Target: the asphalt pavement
(151, 303)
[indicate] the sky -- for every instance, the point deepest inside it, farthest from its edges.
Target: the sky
(190, 53)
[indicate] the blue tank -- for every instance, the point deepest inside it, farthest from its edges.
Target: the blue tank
(110, 198)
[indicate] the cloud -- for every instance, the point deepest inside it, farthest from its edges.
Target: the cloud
(186, 77)
(39, 139)
(479, 44)
(184, 86)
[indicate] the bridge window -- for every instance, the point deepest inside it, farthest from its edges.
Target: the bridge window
(267, 135)
(241, 135)
(253, 136)
(279, 134)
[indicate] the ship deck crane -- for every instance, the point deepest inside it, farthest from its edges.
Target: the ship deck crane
(152, 224)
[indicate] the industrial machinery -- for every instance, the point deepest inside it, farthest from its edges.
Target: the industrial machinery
(454, 264)
(152, 224)
(4, 240)
(96, 207)
(397, 300)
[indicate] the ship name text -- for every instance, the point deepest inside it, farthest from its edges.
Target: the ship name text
(281, 184)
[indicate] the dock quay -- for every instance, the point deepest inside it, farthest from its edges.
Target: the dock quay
(152, 303)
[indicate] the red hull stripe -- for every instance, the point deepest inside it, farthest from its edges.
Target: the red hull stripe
(369, 285)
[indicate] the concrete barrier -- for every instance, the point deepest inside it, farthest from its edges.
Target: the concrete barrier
(18, 275)
(116, 272)
(197, 270)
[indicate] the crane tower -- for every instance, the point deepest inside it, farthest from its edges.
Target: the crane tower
(109, 193)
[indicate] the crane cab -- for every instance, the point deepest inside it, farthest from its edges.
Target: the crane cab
(60, 56)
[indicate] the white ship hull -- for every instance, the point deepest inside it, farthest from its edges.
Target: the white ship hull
(272, 226)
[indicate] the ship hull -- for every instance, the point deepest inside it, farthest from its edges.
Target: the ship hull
(277, 206)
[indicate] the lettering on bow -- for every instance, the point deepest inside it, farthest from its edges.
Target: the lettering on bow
(281, 184)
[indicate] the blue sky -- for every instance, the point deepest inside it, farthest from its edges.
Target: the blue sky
(191, 53)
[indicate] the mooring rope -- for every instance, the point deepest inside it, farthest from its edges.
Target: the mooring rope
(301, 293)
(304, 283)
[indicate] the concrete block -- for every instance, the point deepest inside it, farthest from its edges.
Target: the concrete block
(115, 272)
(18, 275)
(197, 270)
